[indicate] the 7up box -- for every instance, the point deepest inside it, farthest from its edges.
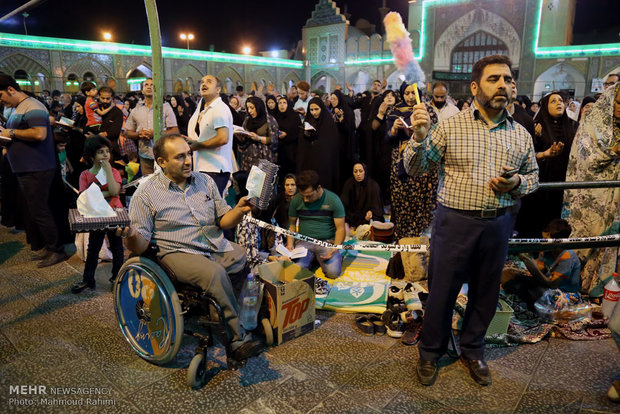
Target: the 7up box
(289, 292)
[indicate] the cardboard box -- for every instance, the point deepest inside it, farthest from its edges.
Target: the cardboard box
(289, 293)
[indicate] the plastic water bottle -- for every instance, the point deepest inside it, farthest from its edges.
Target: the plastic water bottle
(611, 296)
(249, 303)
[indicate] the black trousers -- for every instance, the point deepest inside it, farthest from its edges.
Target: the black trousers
(40, 224)
(95, 241)
(463, 250)
(221, 180)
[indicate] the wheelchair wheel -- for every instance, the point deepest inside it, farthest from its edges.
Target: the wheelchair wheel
(268, 331)
(148, 310)
(196, 370)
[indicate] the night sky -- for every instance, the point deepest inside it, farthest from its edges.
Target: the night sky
(230, 24)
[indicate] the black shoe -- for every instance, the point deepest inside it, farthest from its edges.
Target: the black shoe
(478, 369)
(79, 287)
(247, 351)
(427, 371)
(53, 259)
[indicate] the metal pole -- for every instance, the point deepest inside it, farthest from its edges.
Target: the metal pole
(570, 185)
(158, 65)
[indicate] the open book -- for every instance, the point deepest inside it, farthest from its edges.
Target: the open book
(295, 254)
(308, 127)
(239, 130)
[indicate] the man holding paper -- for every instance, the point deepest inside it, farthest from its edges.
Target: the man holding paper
(321, 216)
(487, 163)
(183, 213)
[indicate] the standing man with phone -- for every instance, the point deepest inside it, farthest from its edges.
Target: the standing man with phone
(478, 200)
(32, 157)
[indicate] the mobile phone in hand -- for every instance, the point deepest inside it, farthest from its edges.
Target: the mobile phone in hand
(509, 173)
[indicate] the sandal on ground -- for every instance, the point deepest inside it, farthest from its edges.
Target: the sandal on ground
(365, 326)
(378, 324)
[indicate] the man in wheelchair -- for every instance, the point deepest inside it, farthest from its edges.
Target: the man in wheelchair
(183, 213)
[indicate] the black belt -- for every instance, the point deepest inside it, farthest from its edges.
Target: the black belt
(489, 213)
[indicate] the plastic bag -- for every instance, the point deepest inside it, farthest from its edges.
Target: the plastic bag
(555, 306)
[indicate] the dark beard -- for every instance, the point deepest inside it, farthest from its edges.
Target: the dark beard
(489, 103)
(104, 105)
(439, 104)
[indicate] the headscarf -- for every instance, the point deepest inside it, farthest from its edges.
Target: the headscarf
(349, 116)
(360, 196)
(325, 117)
(252, 124)
(288, 121)
(403, 110)
(574, 115)
(584, 102)
(554, 129)
(273, 111)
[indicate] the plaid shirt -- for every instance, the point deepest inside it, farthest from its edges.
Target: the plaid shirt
(471, 152)
(180, 220)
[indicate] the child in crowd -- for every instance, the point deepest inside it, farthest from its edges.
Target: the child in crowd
(60, 138)
(97, 152)
(132, 166)
(91, 108)
(552, 269)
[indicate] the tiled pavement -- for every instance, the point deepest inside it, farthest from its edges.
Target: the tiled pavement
(53, 338)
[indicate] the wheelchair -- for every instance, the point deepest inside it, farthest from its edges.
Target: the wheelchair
(150, 307)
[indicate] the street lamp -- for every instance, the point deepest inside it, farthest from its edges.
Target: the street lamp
(187, 38)
(107, 36)
(247, 50)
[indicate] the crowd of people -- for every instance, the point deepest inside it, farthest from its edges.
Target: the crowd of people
(346, 158)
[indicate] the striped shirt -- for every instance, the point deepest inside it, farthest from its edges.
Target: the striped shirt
(180, 220)
(470, 152)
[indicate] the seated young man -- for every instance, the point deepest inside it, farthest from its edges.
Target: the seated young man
(183, 212)
(321, 216)
(552, 269)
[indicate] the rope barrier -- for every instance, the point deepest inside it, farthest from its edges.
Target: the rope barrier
(514, 245)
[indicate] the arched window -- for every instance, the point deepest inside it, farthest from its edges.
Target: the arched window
(473, 48)
(20, 74)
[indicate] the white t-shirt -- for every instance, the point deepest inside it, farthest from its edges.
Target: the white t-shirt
(216, 115)
(447, 111)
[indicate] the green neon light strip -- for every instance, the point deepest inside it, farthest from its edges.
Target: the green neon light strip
(69, 45)
(608, 49)
(135, 80)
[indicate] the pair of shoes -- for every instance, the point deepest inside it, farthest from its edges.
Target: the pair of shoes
(79, 287)
(614, 392)
(478, 370)
(247, 350)
(53, 259)
(370, 325)
(41, 255)
(393, 323)
(427, 371)
(410, 294)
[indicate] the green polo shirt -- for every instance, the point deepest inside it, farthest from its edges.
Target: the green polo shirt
(317, 219)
